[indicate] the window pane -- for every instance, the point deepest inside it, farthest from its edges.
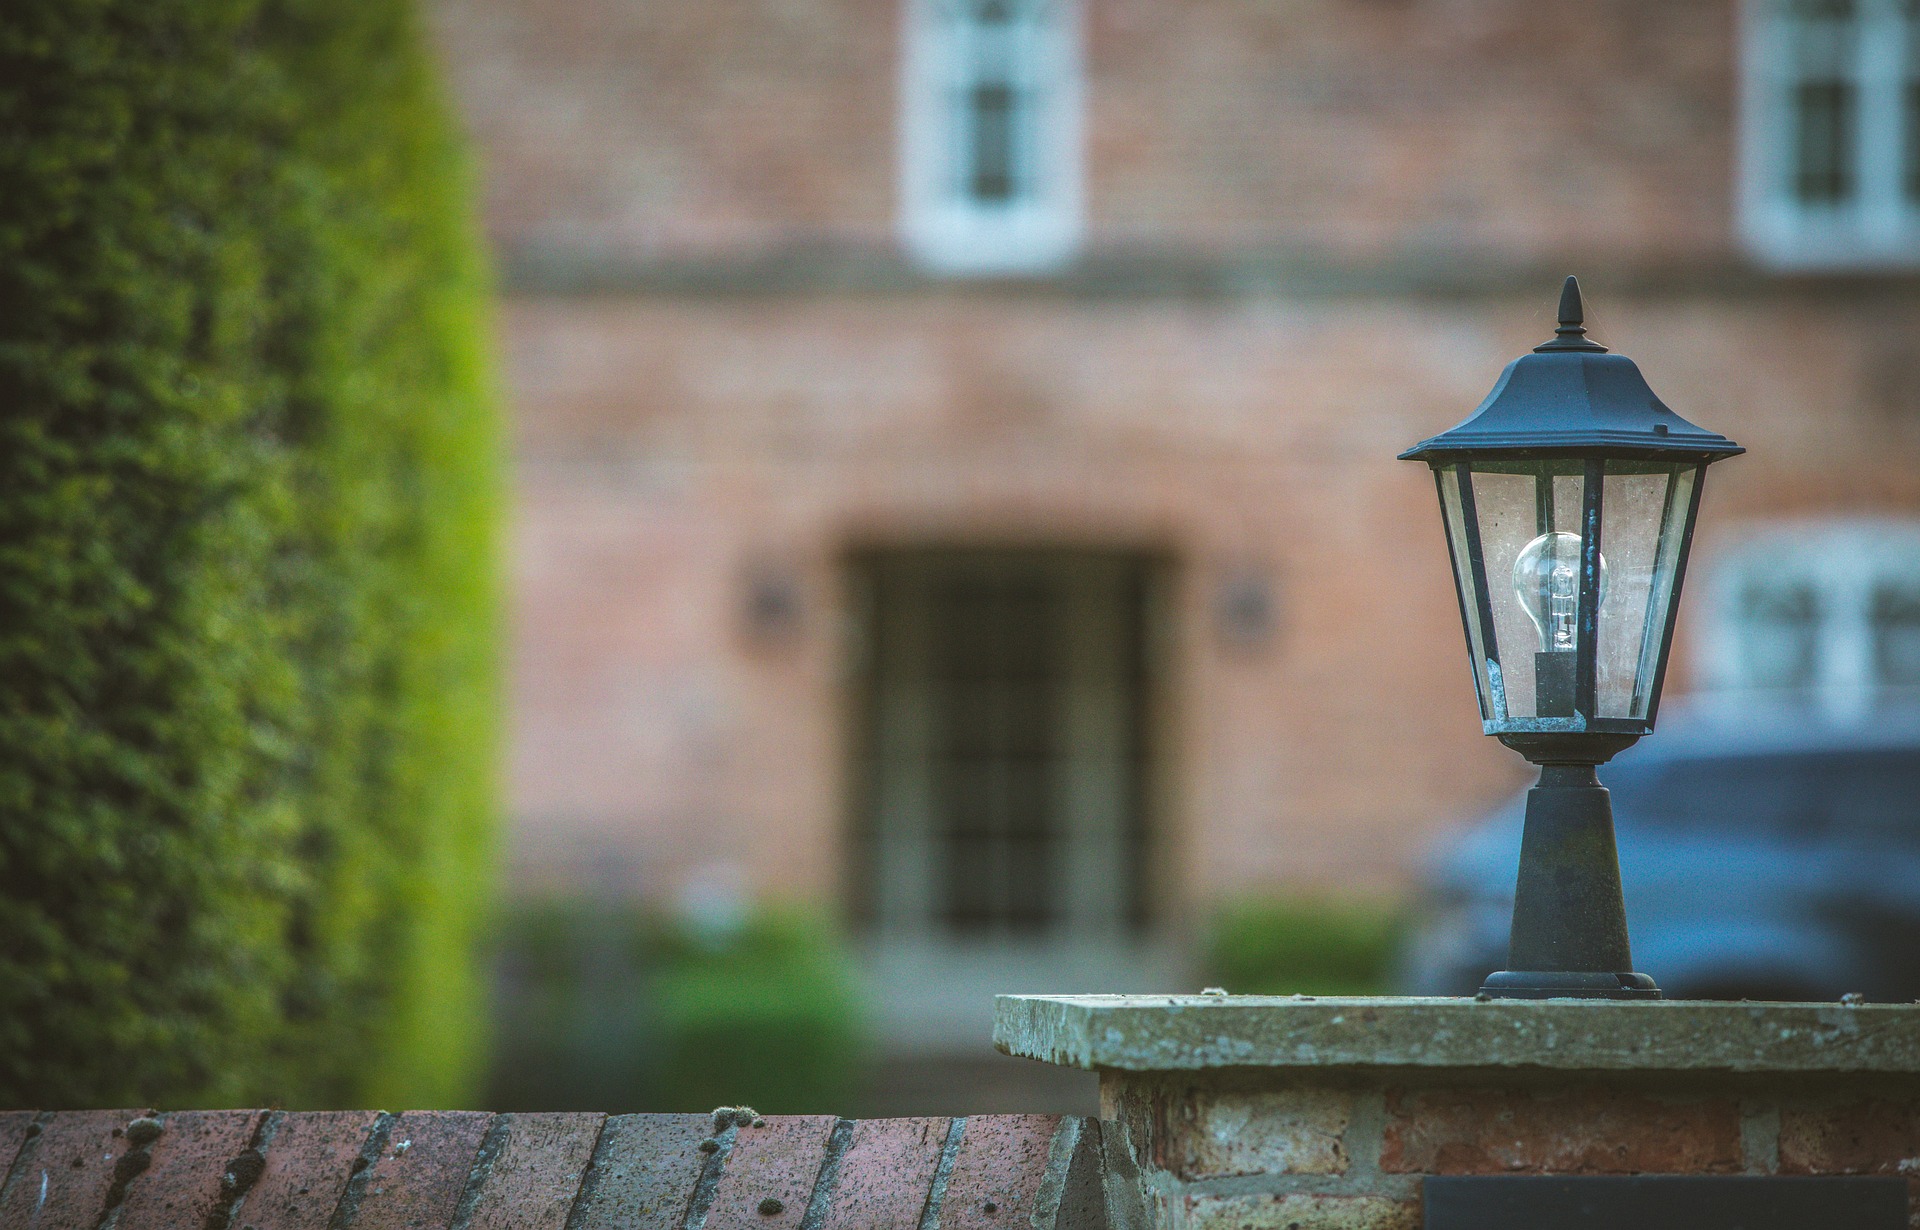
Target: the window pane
(997, 653)
(1912, 134)
(1824, 123)
(991, 177)
(1780, 621)
(1006, 738)
(1896, 634)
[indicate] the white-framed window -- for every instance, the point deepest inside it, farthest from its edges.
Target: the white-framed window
(990, 136)
(1830, 133)
(1820, 615)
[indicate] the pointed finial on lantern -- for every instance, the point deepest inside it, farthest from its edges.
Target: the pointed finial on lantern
(1572, 333)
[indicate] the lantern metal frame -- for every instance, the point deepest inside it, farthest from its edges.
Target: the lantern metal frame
(1569, 409)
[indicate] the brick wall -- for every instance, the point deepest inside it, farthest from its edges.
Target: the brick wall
(672, 450)
(462, 1170)
(1343, 1156)
(1370, 131)
(1309, 223)
(1322, 1152)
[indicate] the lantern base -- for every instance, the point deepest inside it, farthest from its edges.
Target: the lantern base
(1591, 747)
(1569, 938)
(1568, 984)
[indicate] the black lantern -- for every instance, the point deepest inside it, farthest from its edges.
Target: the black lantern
(1569, 499)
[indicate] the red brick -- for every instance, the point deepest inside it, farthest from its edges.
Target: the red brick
(13, 1134)
(309, 1161)
(1582, 1131)
(777, 1161)
(1865, 1137)
(644, 1171)
(65, 1172)
(183, 1183)
(885, 1174)
(420, 1175)
(997, 1172)
(537, 1174)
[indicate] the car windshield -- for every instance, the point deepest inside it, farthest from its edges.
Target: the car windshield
(1867, 794)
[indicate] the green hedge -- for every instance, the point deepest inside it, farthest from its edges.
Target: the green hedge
(1282, 945)
(247, 498)
(612, 1009)
(772, 1019)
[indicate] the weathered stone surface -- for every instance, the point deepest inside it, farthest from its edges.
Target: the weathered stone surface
(885, 1174)
(64, 1173)
(14, 1125)
(1174, 1033)
(770, 1173)
(1295, 1131)
(308, 1163)
(1862, 1137)
(1300, 1212)
(183, 1182)
(997, 1172)
(537, 1173)
(643, 1173)
(421, 1173)
(1577, 1131)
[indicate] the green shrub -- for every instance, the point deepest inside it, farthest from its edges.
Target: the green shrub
(572, 1026)
(615, 1010)
(772, 1019)
(247, 491)
(1305, 945)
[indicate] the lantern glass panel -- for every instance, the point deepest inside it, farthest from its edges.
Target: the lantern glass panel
(1457, 547)
(1644, 512)
(1514, 529)
(1529, 530)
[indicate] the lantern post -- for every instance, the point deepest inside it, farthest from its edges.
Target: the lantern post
(1569, 498)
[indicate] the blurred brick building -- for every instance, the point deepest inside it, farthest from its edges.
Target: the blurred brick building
(955, 437)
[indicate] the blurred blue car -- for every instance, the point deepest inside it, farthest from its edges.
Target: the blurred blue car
(1761, 859)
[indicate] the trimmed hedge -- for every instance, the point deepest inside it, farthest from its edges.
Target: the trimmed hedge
(1282, 945)
(772, 1018)
(247, 504)
(605, 1007)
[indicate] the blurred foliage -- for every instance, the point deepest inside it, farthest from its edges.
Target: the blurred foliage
(571, 1024)
(770, 1018)
(247, 502)
(1306, 945)
(612, 1009)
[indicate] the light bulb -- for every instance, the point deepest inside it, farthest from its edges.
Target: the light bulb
(1546, 579)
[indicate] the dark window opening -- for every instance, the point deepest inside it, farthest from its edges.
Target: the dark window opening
(1825, 117)
(1005, 720)
(1895, 617)
(993, 112)
(1912, 109)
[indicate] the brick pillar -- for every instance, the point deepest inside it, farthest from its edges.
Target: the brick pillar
(1328, 1114)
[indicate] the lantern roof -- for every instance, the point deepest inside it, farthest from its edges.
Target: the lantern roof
(1572, 398)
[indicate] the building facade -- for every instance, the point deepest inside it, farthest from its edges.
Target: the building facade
(955, 438)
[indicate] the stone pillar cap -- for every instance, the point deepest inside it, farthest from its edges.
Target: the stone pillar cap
(1167, 1033)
